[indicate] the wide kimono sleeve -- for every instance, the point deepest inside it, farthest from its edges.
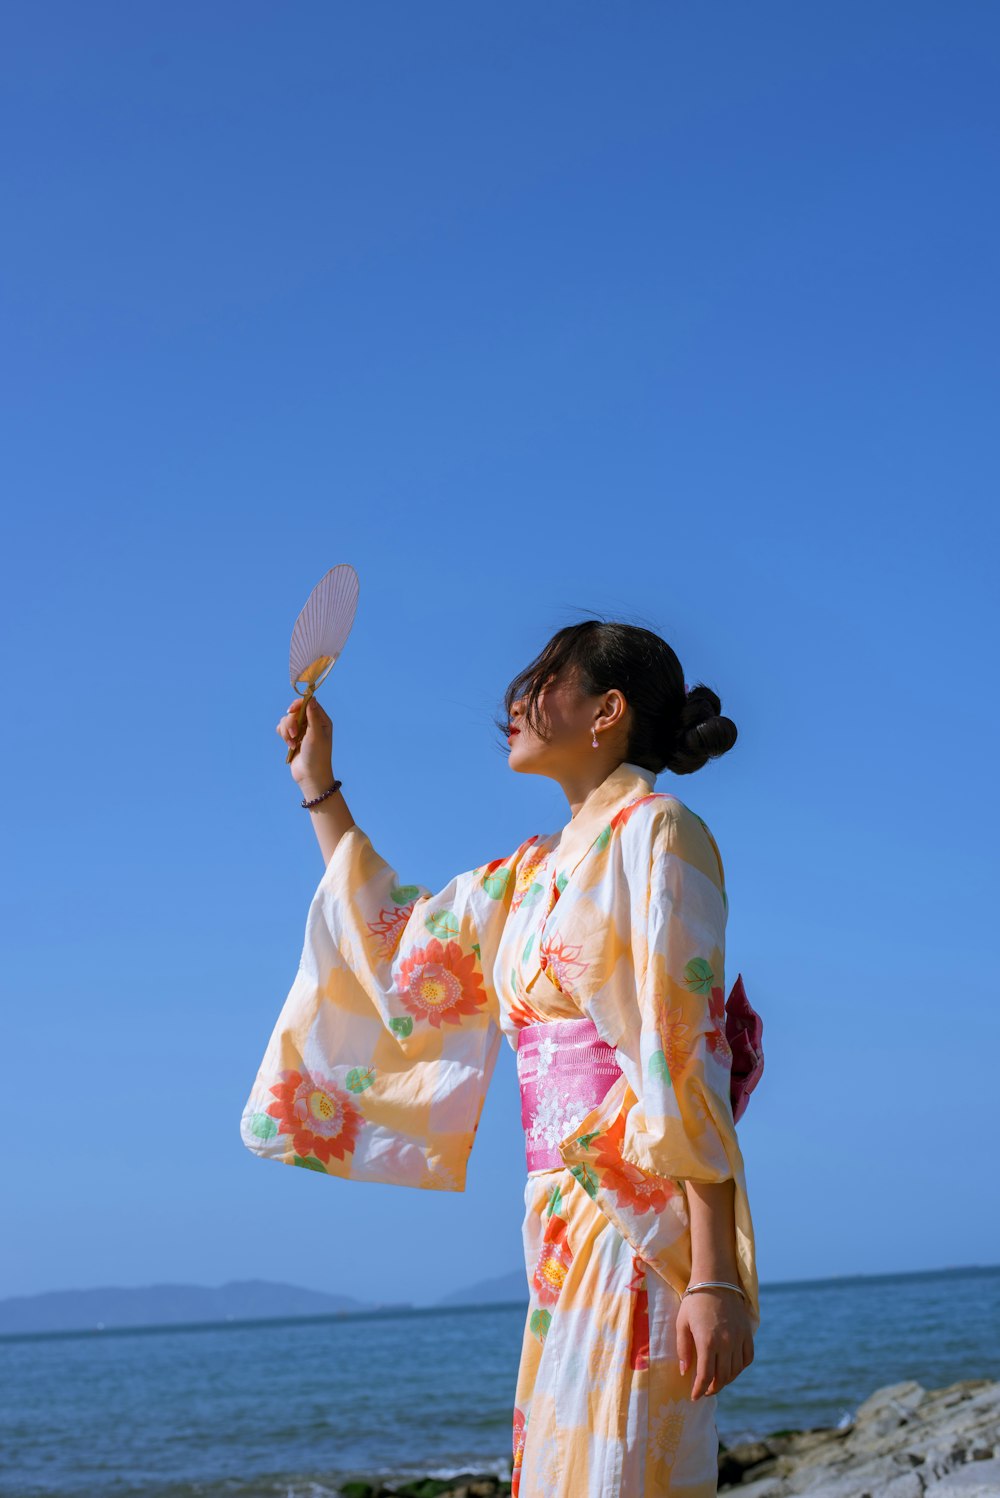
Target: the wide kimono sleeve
(669, 1119)
(378, 1064)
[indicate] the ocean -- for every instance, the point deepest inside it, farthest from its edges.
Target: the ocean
(290, 1409)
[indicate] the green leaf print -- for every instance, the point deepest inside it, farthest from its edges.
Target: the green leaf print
(310, 1163)
(555, 1201)
(659, 1069)
(603, 839)
(532, 893)
(475, 948)
(587, 1139)
(402, 894)
(443, 924)
(496, 884)
(586, 1177)
(528, 946)
(540, 1323)
(698, 975)
(360, 1077)
(402, 1026)
(561, 881)
(263, 1126)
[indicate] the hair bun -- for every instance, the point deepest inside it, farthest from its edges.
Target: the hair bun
(701, 742)
(703, 734)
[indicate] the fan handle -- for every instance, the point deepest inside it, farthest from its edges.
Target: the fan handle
(300, 730)
(315, 673)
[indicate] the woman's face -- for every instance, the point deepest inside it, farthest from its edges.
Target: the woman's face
(568, 717)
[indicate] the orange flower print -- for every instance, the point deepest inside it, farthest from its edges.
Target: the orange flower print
(663, 1441)
(717, 1042)
(561, 962)
(676, 1037)
(390, 926)
(519, 1424)
(322, 1119)
(606, 1353)
(440, 983)
(527, 875)
(635, 1189)
(521, 1014)
(553, 1262)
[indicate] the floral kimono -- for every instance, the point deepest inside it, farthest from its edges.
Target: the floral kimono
(377, 1070)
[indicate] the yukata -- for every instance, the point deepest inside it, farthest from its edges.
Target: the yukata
(377, 1070)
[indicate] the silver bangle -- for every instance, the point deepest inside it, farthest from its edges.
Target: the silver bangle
(711, 1284)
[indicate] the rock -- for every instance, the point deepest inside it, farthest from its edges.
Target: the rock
(767, 1487)
(869, 1479)
(941, 1458)
(905, 1441)
(886, 1410)
(974, 1480)
(900, 1398)
(736, 1461)
(906, 1485)
(464, 1485)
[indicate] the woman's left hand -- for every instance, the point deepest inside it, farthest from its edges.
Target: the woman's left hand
(714, 1331)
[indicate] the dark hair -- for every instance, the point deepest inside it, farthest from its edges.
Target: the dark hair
(670, 730)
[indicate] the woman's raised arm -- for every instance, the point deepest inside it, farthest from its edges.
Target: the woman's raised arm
(313, 774)
(378, 1063)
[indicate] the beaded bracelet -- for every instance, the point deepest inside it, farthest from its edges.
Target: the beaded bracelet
(722, 1285)
(317, 799)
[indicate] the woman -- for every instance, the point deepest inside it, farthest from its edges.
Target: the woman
(597, 952)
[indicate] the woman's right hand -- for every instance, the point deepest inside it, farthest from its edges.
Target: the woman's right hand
(311, 767)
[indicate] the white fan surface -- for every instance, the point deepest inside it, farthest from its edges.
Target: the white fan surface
(323, 625)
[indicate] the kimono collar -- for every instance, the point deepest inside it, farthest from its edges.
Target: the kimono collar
(624, 784)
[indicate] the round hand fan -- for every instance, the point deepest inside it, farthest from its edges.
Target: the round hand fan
(319, 635)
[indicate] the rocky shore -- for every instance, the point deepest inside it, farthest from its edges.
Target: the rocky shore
(903, 1442)
(466, 1485)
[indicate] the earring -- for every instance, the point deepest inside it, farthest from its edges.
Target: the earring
(594, 744)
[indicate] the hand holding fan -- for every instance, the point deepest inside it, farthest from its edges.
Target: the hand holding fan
(319, 635)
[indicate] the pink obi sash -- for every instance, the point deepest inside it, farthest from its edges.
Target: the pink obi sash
(564, 1069)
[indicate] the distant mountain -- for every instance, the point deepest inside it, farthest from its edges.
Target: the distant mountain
(504, 1288)
(112, 1307)
(166, 1305)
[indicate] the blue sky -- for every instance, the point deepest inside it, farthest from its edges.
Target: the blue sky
(681, 315)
